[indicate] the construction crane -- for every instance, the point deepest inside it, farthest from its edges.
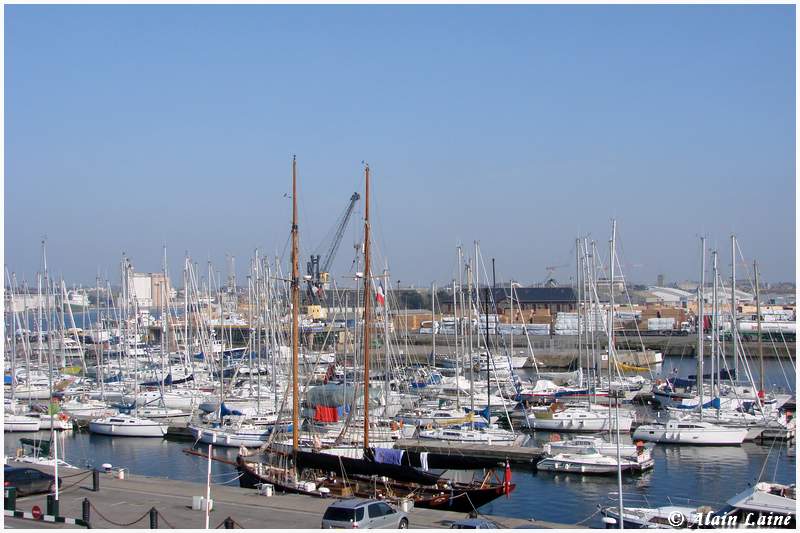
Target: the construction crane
(550, 280)
(319, 266)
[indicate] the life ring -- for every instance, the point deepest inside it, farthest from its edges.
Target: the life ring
(63, 416)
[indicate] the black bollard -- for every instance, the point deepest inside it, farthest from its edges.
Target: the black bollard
(10, 499)
(52, 505)
(153, 518)
(95, 480)
(86, 511)
(228, 523)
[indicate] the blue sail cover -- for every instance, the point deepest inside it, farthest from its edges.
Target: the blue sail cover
(713, 404)
(485, 413)
(224, 411)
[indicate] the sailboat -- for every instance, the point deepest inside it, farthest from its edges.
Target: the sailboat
(319, 473)
(126, 425)
(683, 430)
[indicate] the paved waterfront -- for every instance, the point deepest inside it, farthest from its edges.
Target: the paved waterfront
(125, 503)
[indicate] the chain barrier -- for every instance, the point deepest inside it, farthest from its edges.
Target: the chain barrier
(163, 518)
(145, 515)
(62, 489)
(589, 517)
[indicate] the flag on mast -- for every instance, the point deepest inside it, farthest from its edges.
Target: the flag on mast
(379, 295)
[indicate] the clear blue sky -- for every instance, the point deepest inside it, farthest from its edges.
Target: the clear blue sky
(521, 127)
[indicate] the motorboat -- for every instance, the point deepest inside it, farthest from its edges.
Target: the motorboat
(590, 461)
(665, 517)
(764, 505)
(578, 444)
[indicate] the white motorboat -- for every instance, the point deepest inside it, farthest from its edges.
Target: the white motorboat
(666, 517)
(579, 444)
(765, 505)
(20, 423)
(676, 431)
(127, 426)
(592, 462)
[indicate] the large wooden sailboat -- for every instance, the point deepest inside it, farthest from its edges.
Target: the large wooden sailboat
(367, 473)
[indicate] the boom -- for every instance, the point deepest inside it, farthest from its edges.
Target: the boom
(318, 271)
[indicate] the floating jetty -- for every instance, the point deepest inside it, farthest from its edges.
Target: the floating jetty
(520, 455)
(127, 503)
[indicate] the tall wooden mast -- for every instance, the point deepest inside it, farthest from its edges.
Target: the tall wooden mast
(295, 316)
(367, 303)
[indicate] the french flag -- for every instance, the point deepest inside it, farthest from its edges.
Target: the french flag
(379, 295)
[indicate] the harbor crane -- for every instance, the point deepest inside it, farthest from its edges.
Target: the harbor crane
(318, 266)
(550, 280)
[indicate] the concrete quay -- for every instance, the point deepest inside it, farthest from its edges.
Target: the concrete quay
(125, 503)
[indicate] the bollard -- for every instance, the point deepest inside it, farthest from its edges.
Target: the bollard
(86, 511)
(153, 518)
(10, 499)
(52, 505)
(228, 523)
(95, 480)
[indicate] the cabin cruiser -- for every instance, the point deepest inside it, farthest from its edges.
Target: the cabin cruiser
(578, 444)
(665, 517)
(590, 461)
(765, 505)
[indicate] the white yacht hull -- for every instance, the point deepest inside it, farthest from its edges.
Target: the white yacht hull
(20, 423)
(719, 436)
(109, 427)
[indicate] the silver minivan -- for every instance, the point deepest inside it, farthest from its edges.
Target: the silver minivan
(360, 513)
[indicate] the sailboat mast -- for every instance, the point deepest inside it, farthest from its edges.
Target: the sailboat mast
(714, 348)
(611, 351)
(734, 329)
(758, 326)
(701, 322)
(367, 302)
(295, 317)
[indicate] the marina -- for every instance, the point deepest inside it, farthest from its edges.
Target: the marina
(408, 267)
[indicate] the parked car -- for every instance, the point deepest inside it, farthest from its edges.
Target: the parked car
(363, 514)
(28, 480)
(473, 523)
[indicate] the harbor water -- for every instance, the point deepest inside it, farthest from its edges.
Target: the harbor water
(705, 474)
